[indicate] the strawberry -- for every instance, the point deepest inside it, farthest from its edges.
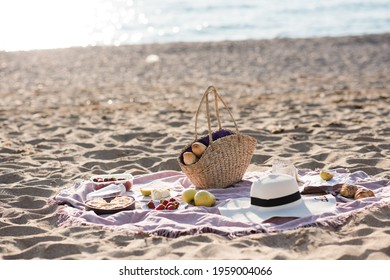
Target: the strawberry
(172, 199)
(169, 204)
(151, 205)
(160, 207)
(164, 202)
(171, 207)
(176, 204)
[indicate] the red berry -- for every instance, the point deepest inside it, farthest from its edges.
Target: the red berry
(169, 204)
(160, 207)
(164, 202)
(171, 207)
(151, 205)
(176, 204)
(172, 199)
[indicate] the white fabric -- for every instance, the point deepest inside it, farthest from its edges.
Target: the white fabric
(242, 211)
(275, 186)
(111, 190)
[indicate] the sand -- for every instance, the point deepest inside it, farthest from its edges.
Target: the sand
(71, 113)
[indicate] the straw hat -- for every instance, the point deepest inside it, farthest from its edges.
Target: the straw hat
(276, 195)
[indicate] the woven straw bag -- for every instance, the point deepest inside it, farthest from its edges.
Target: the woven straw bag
(228, 153)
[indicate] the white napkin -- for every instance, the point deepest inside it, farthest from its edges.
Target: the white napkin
(110, 190)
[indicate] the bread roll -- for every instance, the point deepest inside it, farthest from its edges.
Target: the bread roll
(362, 193)
(348, 190)
(189, 158)
(198, 148)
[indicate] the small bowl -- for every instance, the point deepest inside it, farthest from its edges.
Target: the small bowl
(101, 181)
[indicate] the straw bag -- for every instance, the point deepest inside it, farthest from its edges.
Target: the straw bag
(228, 153)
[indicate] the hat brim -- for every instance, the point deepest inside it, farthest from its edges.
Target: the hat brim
(241, 209)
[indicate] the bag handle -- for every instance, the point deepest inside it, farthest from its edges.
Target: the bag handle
(212, 89)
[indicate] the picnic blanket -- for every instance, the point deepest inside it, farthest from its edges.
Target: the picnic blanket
(197, 220)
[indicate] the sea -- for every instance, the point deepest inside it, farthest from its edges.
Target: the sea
(46, 24)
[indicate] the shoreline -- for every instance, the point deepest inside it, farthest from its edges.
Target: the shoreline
(69, 113)
(201, 42)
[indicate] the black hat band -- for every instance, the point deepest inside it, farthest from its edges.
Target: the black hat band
(276, 201)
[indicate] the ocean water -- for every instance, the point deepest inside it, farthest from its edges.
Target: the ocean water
(43, 24)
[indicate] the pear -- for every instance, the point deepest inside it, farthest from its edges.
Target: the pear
(189, 158)
(204, 198)
(198, 148)
(188, 195)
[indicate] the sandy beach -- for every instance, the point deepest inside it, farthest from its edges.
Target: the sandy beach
(70, 113)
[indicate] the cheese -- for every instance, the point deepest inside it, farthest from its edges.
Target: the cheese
(158, 194)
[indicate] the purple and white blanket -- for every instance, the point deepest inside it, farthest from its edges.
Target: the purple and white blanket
(196, 220)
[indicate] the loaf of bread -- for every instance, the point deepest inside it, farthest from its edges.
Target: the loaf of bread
(189, 158)
(362, 193)
(348, 190)
(198, 148)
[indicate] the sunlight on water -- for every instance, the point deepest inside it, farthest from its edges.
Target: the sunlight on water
(42, 24)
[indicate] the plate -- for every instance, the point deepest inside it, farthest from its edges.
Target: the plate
(101, 181)
(110, 205)
(182, 205)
